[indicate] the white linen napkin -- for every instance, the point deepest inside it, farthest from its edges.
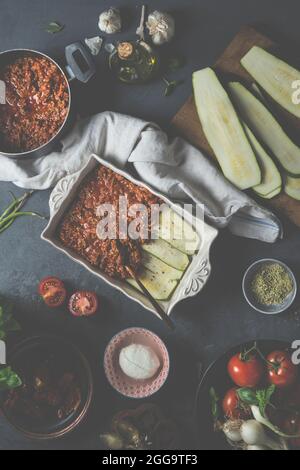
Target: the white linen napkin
(174, 168)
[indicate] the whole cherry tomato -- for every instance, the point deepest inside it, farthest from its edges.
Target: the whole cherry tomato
(246, 370)
(282, 372)
(231, 406)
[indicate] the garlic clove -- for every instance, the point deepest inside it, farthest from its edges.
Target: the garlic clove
(110, 21)
(94, 44)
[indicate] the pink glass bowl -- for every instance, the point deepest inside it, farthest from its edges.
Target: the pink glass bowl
(126, 385)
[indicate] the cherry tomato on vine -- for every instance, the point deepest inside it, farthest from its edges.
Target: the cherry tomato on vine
(232, 407)
(281, 371)
(246, 370)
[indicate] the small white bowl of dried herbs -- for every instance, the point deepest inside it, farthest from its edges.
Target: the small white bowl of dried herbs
(269, 286)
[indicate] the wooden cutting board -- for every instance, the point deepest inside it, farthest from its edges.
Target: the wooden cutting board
(187, 124)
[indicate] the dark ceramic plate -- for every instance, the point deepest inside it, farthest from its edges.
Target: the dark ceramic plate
(216, 376)
(65, 357)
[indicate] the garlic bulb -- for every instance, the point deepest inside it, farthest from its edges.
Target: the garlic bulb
(110, 21)
(161, 27)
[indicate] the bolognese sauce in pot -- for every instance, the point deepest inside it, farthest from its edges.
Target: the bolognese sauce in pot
(37, 102)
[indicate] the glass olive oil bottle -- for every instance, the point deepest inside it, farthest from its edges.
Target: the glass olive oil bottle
(134, 62)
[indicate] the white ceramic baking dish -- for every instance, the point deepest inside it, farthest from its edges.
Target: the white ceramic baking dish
(195, 276)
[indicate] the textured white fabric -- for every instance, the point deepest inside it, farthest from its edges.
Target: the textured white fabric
(175, 168)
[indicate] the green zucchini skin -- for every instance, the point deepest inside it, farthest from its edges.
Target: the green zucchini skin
(224, 130)
(271, 178)
(292, 187)
(266, 129)
(274, 75)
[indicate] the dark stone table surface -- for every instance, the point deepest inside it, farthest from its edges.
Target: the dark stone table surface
(208, 324)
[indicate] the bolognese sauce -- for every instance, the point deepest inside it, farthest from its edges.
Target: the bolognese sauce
(37, 103)
(78, 229)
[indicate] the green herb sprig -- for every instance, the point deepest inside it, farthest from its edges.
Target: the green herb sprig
(13, 211)
(171, 85)
(9, 379)
(54, 27)
(7, 322)
(260, 398)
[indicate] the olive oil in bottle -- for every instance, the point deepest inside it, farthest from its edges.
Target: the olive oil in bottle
(134, 62)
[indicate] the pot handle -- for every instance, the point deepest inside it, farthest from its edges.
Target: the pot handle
(80, 63)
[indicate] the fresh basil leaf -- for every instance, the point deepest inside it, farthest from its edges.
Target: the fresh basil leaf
(264, 398)
(248, 396)
(9, 379)
(54, 27)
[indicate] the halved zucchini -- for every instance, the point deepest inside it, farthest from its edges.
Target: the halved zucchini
(224, 131)
(271, 178)
(158, 267)
(271, 194)
(179, 233)
(292, 187)
(160, 287)
(274, 75)
(167, 253)
(266, 128)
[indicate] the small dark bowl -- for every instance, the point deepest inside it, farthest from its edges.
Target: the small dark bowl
(41, 346)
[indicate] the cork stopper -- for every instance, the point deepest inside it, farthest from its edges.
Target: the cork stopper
(125, 50)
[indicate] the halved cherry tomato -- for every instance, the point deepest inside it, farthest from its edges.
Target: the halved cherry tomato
(52, 291)
(83, 303)
(232, 407)
(282, 372)
(245, 371)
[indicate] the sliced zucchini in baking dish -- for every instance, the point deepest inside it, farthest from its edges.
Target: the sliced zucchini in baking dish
(160, 287)
(224, 131)
(167, 253)
(292, 187)
(271, 194)
(180, 234)
(266, 128)
(158, 267)
(274, 75)
(271, 178)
